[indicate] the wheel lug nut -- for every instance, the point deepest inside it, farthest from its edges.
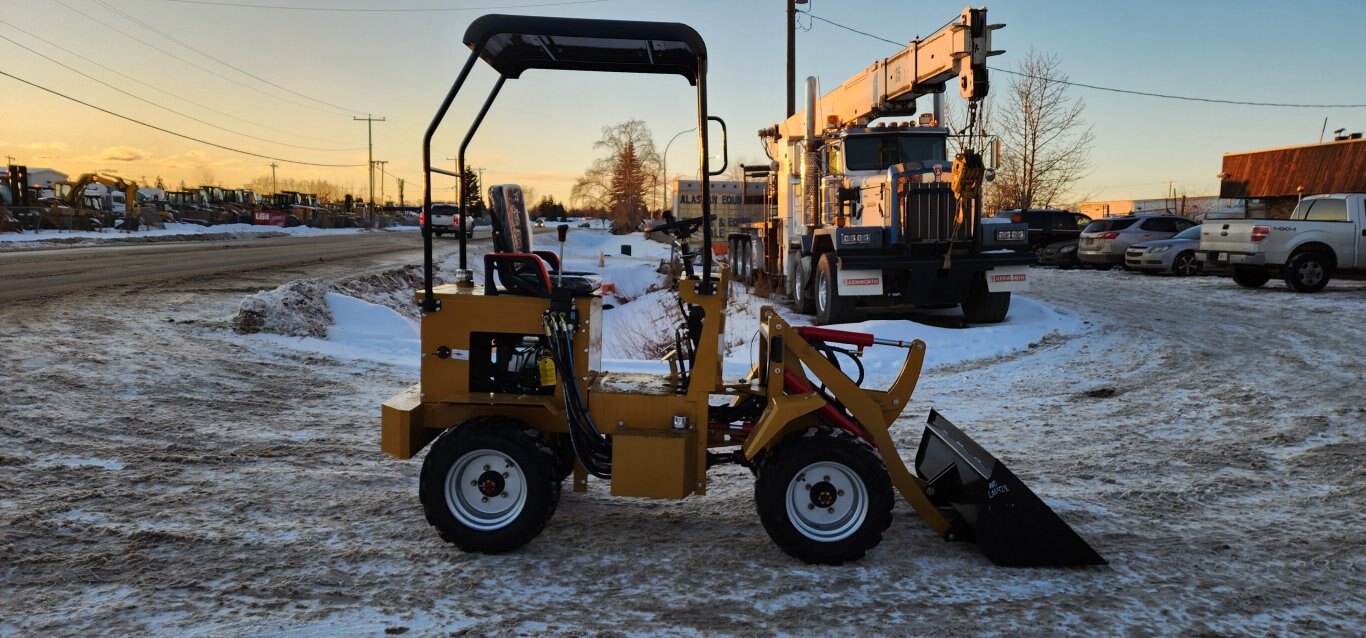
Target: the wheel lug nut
(484, 499)
(841, 492)
(826, 479)
(830, 509)
(808, 487)
(505, 475)
(486, 468)
(810, 506)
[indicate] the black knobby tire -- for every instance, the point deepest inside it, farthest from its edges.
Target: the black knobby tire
(983, 306)
(1308, 272)
(823, 496)
(1251, 277)
(830, 306)
(1186, 264)
(801, 289)
(489, 485)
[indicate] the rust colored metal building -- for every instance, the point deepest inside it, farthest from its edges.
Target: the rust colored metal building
(1273, 180)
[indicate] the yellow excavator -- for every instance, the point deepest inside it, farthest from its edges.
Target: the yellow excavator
(514, 398)
(76, 210)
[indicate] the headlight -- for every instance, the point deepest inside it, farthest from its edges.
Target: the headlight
(1068, 249)
(1160, 249)
(1010, 235)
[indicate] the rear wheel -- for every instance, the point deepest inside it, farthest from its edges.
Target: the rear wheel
(830, 306)
(823, 496)
(1308, 272)
(489, 485)
(983, 306)
(1251, 278)
(801, 287)
(1186, 264)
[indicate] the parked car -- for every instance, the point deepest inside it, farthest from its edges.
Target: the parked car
(1325, 235)
(446, 218)
(1104, 241)
(1047, 226)
(540, 222)
(1062, 254)
(1175, 254)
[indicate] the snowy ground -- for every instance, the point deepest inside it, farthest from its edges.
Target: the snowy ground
(160, 474)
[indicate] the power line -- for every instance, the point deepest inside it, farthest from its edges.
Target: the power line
(164, 108)
(170, 132)
(227, 64)
(1112, 89)
(165, 92)
(105, 25)
(385, 10)
(1184, 97)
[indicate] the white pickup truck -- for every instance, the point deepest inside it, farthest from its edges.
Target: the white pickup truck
(1324, 236)
(446, 218)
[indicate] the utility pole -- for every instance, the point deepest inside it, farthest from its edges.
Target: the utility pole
(381, 179)
(400, 192)
(9, 159)
(370, 139)
(274, 187)
(459, 181)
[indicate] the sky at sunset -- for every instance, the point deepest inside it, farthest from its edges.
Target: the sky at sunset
(287, 83)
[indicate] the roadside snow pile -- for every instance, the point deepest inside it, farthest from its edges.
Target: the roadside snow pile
(360, 331)
(301, 308)
(639, 328)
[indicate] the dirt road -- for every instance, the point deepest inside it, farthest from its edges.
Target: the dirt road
(160, 475)
(54, 271)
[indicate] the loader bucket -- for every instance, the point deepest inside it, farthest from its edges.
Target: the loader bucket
(986, 502)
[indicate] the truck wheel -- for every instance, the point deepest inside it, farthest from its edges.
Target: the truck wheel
(801, 288)
(830, 306)
(1308, 272)
(824, 496)
(983, 306)
(1186, 264)
(1250, 277)
(489, 485)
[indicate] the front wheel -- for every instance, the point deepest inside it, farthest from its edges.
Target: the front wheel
(830, 306)
(1251, 278)
(983, 306)
(489, 485)
(1185, 264)
(823, 496)
(1308, 272)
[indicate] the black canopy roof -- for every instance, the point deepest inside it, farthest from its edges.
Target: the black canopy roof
(512, 44)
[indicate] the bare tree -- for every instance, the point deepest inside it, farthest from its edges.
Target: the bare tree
(623, 181)
(1047, 142)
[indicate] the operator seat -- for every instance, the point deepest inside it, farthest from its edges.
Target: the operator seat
(521, 268)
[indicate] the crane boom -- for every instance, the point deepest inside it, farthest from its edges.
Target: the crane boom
(889, 87)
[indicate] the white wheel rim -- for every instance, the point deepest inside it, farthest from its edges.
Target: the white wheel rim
(827, 502)
(822, 296)
(485, 490)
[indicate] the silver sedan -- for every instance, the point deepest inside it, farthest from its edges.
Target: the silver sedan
(1175, 254)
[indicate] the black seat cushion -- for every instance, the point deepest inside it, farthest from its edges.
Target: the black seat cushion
(512, 234)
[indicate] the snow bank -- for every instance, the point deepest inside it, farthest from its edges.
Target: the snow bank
(639, 326)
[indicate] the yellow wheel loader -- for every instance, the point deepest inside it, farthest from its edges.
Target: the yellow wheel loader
(514, 399)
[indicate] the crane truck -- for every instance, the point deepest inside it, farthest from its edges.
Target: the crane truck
(869, 213)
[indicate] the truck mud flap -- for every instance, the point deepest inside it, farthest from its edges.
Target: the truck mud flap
(987, 503)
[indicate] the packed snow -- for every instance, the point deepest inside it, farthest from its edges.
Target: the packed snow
(162, 474)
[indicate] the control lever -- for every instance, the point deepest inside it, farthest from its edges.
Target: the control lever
(562, 231)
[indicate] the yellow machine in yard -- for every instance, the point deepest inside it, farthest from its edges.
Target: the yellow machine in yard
(513, 398)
